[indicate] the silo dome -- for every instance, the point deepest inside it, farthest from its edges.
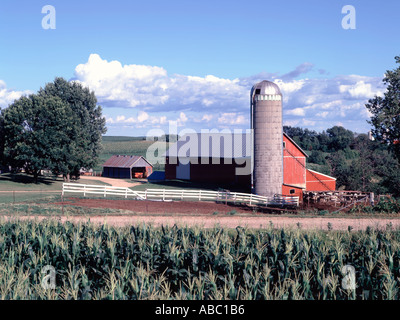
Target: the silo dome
(265, 88)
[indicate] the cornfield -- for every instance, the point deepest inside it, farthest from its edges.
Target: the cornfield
(145, 262)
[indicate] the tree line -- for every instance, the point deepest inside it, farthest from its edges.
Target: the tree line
(58, 129)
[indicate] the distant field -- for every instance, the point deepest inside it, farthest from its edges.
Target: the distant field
(130, 146)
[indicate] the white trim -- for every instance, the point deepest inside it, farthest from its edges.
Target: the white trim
(294, 157)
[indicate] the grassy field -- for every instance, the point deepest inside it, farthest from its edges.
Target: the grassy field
(21, 187)
(181, 184)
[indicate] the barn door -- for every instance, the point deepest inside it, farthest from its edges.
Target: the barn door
(183, 171)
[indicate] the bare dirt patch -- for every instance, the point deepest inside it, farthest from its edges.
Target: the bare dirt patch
(209, 214)
(159, 207)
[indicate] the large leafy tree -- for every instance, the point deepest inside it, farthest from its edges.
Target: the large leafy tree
(59, 128)
(386, 112)
(87, 142)
(37, 132)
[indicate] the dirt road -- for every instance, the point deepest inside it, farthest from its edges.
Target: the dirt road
(111, 181)
(232, 222)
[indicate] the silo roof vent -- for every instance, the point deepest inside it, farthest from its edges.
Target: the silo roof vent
(266, 88)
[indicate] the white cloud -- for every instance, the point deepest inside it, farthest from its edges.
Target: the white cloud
(118, 85)
(144, 120)
(193, 101)
(143, 116)
(296, 112)
(8, 96)
(207, 117)
(232, 118)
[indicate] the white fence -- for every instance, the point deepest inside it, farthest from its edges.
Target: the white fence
(181, 195)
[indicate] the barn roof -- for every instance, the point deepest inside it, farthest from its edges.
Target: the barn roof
(217, 145)
(123, 161)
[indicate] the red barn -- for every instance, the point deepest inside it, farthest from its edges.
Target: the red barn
(296, 177)
(226, 158)
(127, 167)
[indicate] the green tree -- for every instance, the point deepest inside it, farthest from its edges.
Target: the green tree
(386, 112)
(361, 169)
(340, 138)
(60, 129)
(324, 141)
(2, 141)
(338, 168)
(87, 142)
(317, 157)
(37, 132)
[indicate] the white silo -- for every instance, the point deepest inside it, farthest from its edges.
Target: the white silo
(266, 125)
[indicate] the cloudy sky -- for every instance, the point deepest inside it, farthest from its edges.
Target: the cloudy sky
(193, 63)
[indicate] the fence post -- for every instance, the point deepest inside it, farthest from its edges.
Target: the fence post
(145, 194)
(163, 196)
(251, 198)
(84, 190)
(200, 195)
(126, 193)
(105, 191)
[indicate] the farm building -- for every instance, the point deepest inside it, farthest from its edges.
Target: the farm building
(127, 167)
(226, 158)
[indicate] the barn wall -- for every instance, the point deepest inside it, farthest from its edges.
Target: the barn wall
(210, 172)
(290, 147)
(313, 184)
(216, 173)
(294, 165)
(170, 168)
(294, 173)
(111, 172)
(298, 192)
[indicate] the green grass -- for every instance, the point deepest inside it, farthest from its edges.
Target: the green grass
(181, 184)
(22, 188)
(22, 181)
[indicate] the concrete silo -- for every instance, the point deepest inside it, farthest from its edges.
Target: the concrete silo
(266, 125)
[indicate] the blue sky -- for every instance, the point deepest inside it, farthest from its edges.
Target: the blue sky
(194, 62)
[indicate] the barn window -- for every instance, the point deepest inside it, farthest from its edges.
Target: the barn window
(292, 191)
(258, 91)
(284, 144)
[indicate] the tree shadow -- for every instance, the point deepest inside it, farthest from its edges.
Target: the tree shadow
(26, 179)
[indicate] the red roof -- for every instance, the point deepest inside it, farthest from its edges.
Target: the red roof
(119, 161)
